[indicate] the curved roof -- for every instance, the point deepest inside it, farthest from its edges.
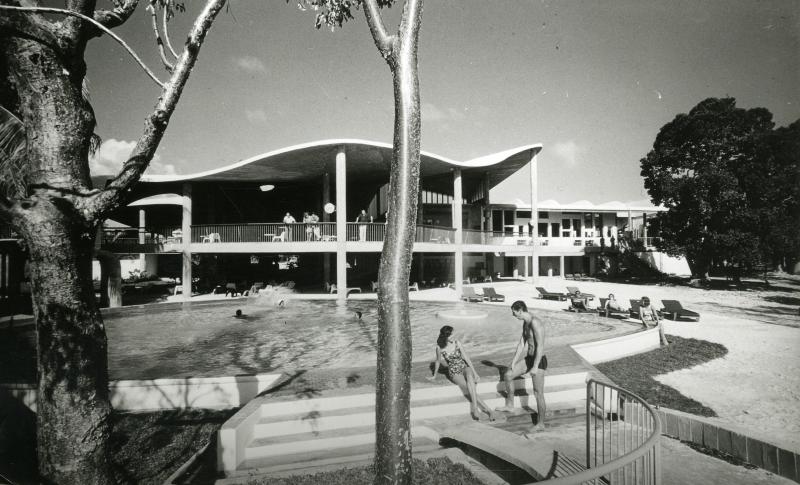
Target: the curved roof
(366, 161)
(588, 206)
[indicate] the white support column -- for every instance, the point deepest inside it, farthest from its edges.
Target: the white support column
(457, 223)
(561, 266)
(326, 198)
(535, 218)
(630, 222)
(644, 228)
(341, 225)
(186, 239)
(142, 261)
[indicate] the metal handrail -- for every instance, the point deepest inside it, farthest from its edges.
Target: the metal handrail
(651, 465)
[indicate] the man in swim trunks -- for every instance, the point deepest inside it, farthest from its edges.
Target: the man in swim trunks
(529, 358)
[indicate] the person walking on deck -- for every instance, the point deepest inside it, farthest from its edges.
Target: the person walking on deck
(528, 358)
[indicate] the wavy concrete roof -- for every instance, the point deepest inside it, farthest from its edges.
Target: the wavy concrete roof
(366, 161)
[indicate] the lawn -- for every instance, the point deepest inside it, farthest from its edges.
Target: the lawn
(635, 373)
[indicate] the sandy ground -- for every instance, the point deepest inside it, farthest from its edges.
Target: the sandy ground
(756, 386)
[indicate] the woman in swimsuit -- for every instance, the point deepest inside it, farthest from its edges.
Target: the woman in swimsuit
(460, 370)
(650, 318)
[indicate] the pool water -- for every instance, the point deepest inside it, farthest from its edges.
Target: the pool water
(206, 339)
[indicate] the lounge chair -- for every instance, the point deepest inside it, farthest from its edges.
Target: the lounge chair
(609, 312)
(258, 285)
(413, 287)
(546, 295)
(578, 305)
(468, 294)
(491, 295)
(351, 289)
(634, 311)
(573, 290)
(675, 311)
(232, 289)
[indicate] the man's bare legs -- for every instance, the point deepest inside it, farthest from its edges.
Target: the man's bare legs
(509, 376)
(538, 392)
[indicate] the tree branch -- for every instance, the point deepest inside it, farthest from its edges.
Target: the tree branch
(166, 13)
(34, 27)
(154, 23)
(93, 22)
(156, 123)
(118, 16)
(410, 22)
(383, 41)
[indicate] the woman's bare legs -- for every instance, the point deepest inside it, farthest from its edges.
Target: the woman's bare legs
(473, 394)
(461, 381)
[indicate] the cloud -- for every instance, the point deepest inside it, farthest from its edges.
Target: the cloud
(568, 151)
(255, 115)
(251, 64)
(432, 113)
(113, 153)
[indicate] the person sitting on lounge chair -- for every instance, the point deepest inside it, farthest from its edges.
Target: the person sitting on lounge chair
(578, 303)
(612, 305)
(649, 317)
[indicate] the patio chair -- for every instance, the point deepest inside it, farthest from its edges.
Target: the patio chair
(573, 290)
(281, 236)
(413, 287)
(634, 311)
(374, 285)
(608, 312)
(468, 294)
(547, 295)
(675, 311)
(232, 289)
(577, 305)
(491, 295)
(212, 238)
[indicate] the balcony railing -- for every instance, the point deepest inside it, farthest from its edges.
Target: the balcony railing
(171, 238)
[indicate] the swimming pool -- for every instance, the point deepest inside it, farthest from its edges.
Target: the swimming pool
(205, 339)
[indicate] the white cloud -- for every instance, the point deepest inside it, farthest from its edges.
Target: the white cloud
(250, 64)
(568, 151)
(113, 153)
(430, 112)
(255, 115)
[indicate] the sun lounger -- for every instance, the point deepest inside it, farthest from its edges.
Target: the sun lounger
(608, 312)
(491, 295)
(547, 295)
(675, 311)
(578, 305)
(634, 311)
(572, 290)
(468, 294)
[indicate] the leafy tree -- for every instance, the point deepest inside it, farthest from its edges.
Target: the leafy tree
(730, 183)
(393, 382)
(47, 197)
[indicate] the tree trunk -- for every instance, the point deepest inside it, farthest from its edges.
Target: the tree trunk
(393, 382)
(73, 406)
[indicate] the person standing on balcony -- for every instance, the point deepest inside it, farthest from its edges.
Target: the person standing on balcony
(307, 225)
(314, 219)
(528, 358)
(288, 220)
(362, 221)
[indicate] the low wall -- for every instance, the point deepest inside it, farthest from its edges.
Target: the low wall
(617, 347)
(154, 394)
(776, 458)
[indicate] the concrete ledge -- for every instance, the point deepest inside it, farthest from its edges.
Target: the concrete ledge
(145, 395)
(761, 452)
(618, 347)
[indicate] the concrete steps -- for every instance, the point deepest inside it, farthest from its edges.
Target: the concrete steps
(279, 434)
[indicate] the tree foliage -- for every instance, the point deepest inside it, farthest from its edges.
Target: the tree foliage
(731, 184)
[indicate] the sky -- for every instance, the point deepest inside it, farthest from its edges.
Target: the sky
(592, 81)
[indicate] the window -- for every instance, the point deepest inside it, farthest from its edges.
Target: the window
(544, 215)
(524, 214)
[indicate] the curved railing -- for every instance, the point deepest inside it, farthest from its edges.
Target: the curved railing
(622, 439)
